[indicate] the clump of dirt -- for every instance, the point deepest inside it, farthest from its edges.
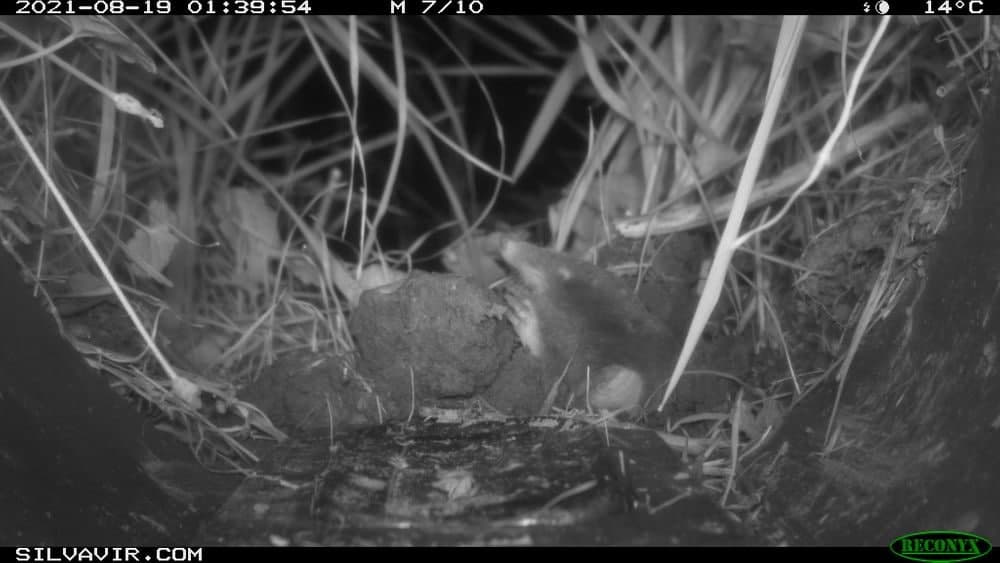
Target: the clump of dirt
(431, 341)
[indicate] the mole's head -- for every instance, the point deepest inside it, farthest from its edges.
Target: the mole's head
(540, 269)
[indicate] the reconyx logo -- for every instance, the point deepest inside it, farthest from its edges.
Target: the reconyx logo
(940, 546)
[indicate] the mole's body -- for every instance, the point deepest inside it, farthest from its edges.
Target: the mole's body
(575, 314)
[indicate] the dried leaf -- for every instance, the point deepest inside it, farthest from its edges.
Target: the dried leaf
(152, 246)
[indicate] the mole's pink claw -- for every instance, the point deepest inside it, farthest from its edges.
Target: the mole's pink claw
(523, 317)
(614, 388)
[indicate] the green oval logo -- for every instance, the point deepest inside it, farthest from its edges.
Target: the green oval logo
(940, 546)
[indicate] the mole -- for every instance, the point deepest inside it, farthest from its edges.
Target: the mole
(579, 319)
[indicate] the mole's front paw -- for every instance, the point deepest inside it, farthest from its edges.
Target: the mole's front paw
(614, 388)
(523, 317)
